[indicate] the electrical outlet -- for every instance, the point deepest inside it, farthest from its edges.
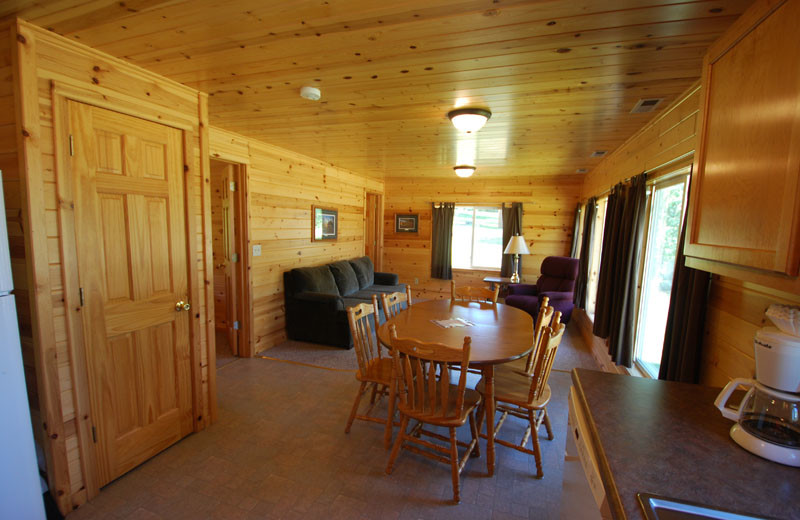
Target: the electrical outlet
(257, 250)
(416, 281)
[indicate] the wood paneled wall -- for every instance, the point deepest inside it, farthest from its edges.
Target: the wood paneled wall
(662, 145)
(663, 141)
(548, 214)
(281, 188)
(735, 309)
(47, 67)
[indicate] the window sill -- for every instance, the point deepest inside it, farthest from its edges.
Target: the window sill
(476, 270)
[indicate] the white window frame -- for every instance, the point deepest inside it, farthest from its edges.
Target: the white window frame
(472, 266)
(681, 176)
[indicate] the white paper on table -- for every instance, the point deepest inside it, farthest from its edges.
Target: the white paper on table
(455, 322)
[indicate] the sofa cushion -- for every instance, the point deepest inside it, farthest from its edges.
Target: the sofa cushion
(345, 277)
(365, 271)
(315, 279)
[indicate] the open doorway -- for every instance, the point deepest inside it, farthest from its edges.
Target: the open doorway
(229, 245)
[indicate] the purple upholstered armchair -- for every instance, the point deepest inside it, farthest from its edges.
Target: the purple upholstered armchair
(556, 282)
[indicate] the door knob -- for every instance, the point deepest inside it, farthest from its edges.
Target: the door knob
(182, 306)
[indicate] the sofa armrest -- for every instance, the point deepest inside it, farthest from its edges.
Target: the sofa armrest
(558, 295)
(386, 279)
(525, 289)
(324, 302)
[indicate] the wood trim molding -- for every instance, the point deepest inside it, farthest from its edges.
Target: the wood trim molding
(208, 261)
(24, 67)
(69, 269)
(195, 286)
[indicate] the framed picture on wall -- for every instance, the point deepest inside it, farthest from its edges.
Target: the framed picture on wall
(406, 222)
(324, 223)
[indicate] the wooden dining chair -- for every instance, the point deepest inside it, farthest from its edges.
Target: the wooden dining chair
(543, 319)
(473, 294)
(526, 397)
(392, 302)
(374, 369)
(425, 396)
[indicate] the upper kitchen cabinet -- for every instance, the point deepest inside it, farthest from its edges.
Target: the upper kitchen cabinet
(744, 218)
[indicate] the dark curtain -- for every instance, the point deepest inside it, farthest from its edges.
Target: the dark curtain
(615, 310)
(512, 225)
(442, 241)
(683, 338)
(579, 296)
(576, 228)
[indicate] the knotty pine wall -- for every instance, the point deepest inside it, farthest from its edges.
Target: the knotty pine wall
(281, 188)
(47, 65)
(735, 309)
(548, 211)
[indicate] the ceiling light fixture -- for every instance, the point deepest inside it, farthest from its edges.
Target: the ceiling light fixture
(469, 119)
(464, 170)
(311, 93)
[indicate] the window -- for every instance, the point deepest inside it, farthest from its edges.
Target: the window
(595, 252)
(477, 238)
(666, 203)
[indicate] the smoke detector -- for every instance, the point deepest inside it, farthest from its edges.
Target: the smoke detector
(311, 93)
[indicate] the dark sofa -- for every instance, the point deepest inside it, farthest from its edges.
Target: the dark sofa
(316, 298)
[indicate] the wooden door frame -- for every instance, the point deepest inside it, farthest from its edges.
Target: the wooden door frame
(61, 94)
(244, 285)
(378, 226)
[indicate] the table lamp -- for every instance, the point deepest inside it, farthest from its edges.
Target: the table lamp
(516, 246)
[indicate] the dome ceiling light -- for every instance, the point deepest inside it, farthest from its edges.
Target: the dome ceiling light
(469, 120)
(464, 170)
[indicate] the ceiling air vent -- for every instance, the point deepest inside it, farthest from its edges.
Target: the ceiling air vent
(581, 170)
(646, 105)
(599, 153)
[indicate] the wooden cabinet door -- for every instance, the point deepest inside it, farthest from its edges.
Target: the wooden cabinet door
(131, 242)
(745, 207)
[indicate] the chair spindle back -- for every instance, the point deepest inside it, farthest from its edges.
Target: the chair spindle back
(392, 302)
(473, 294)
(422, 373)
(363, 329)
(551, 339)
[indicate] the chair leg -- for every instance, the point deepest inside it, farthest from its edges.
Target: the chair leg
(547, 425)
(398, 442)
(537, 452)
(355, 406)
(374, 393)
(454, 465)
(479, 416)
(473, 426)
(387, 434)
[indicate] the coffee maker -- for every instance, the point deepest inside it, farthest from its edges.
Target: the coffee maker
(768, 417)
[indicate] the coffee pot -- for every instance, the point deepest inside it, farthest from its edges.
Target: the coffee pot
(768, 417)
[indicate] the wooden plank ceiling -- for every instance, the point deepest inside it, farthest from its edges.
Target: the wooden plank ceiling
(559, 76)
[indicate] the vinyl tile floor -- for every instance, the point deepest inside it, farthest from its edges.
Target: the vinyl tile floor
(278, 450)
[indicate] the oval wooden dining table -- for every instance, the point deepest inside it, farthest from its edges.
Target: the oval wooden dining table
(499, 334)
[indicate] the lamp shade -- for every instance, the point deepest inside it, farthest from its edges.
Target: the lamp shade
(469, 119)
(517, 246)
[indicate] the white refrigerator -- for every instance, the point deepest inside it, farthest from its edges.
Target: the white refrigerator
(20, 488)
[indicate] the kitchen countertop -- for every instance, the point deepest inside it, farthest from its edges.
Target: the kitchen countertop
(669, 439)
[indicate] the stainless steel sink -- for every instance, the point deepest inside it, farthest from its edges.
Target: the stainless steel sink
(662, 508)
